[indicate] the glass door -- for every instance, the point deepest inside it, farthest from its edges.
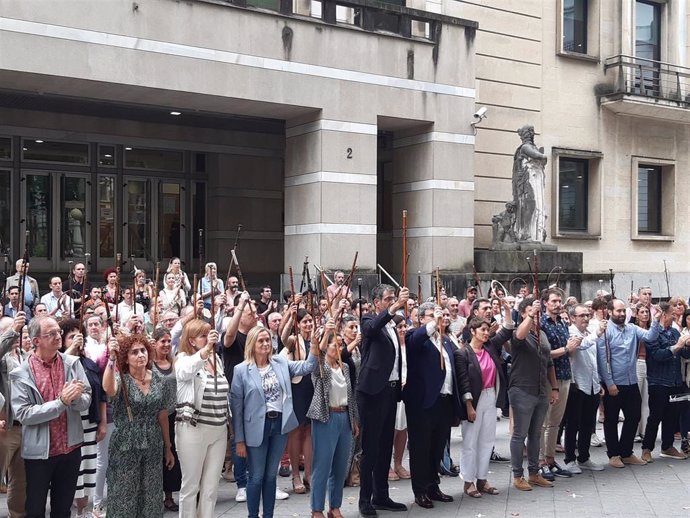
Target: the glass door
(107, 212)
(171, 218)
(6, 220)
(648, 46)
(57, 213)
(137, 230)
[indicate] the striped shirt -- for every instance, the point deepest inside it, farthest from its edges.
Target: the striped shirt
(214, 403)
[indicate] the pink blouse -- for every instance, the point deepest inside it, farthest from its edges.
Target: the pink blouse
(488, 368)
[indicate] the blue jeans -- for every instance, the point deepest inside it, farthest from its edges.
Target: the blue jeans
(239, 466)
(263, 464)
(331, 443)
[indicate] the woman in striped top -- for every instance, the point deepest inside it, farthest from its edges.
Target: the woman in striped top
(93, 420)
(202, 416)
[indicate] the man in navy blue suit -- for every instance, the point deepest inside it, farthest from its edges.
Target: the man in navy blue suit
(431, 402)
(378, 392)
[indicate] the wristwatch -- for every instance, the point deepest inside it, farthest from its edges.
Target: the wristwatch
(555, 388)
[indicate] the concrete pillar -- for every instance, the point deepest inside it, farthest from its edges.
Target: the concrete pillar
(434, 181)
(330, 193)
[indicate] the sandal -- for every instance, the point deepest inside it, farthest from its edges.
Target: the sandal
(472, 492)
(402, 473)
(484, 487)
(307, 484)
(299, 487)
(170, 505)
(393, 476)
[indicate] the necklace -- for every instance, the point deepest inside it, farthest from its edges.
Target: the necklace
(142, 380)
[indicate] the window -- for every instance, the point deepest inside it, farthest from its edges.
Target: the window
(5, 208)
(648, 30)
(653, 199)
(573, 193)
(577, 192)
(106, 155)
(5, 148)
(158, 159)
(649, 199)
(575, 26)
(37, 150)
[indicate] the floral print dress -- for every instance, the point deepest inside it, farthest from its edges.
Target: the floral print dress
(135, 479)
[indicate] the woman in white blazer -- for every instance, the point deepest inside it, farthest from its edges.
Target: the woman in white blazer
(263, 415)
(201, 429)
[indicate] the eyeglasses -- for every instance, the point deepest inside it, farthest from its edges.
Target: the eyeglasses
(52, 334)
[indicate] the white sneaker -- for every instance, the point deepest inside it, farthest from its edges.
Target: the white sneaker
(281, 495)
(241, 495)
(573, 468)
(592, 466)
(99, 511)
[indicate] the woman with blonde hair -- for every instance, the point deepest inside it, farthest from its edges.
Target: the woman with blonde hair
(678, 306)
(263, 415)
(180, 277)
(202, 417)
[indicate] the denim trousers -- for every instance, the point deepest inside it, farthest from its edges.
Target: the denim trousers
(331, 443)
(263, 462)
(239, 466)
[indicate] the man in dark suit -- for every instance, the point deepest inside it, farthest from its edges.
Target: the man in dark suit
(431, 402)
(378, 391)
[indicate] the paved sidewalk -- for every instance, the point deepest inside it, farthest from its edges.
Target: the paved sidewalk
(661, 489)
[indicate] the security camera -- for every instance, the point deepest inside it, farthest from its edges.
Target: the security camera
(481, 113)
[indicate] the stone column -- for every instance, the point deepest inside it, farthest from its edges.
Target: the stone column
(330, 193)
(434, 182)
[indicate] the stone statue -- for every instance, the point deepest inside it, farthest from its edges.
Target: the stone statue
(522, 225)
(504, 227)
(528, 188)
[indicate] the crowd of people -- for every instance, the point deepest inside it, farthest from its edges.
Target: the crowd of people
(118, 395)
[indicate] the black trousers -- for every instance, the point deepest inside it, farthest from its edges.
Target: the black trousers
(630, 401)
(172, 478)
(377, 422)
(427, 431)
(661, 411)
(59, 475)
(579, 423)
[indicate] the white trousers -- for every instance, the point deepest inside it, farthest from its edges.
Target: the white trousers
(201, 450)
(478, 439)
(102, 464)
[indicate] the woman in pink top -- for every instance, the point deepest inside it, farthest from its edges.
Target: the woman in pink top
(482, 389)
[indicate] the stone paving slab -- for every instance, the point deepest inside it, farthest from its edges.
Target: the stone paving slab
(660, 489)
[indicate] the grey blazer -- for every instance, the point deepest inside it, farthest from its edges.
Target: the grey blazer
(249, 404)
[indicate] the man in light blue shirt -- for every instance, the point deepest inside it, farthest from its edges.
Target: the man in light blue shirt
(616, 360)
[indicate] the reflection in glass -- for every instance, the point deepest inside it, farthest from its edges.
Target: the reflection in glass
(38, 207)
(575, 26)
(198, 214)
(73, 214)
(169, 203)
(106, 216)
(138, 218)
(158, 159)
(572, 194)
(106, 156)
(649, 199)
(5, 148)
(5, 214)
(37, 150)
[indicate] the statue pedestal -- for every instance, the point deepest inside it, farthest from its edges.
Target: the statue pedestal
(515, 261)
(523, 246)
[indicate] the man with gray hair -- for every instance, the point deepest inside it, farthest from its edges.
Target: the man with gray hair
(49, 392)
(11, 462)
(378, 393)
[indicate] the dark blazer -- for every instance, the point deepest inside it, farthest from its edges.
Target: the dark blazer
(469, 373)
(378, 354)
(424, 374)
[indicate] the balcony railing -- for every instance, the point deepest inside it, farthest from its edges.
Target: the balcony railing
(387, 17)
(651, 79)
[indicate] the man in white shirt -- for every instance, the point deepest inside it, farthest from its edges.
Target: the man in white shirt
(128, 307)
(58, 303)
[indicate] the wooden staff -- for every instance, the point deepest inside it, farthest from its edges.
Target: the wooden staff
(155, 296)
(419, 286)
(613, 287)
(194, 297)
(404, 248)
(83, 298)
(123, 382)
(441, 330)
(134, 286)
(213, 326)
(324, 289)
(239, 271)
(234, 248)
(538, 295)
(292, 290)
(69, 286)
(22, 274)
(477, 281)
(118, 259)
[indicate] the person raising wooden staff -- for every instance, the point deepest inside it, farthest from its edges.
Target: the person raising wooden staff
(404, 253)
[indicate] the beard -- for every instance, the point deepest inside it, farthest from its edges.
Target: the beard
(618, 319)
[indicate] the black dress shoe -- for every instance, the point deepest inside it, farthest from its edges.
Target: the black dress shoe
(367, 510)
(438, 496)
(388, 505)
(423, 501)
